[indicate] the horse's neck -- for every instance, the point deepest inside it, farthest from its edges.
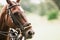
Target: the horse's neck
(2, 17)
(3, 26)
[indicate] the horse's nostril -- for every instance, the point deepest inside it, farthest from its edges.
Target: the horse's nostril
(33, 33)
(30, 33)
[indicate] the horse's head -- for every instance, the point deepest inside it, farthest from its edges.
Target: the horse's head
(13, 8)
(16, 16)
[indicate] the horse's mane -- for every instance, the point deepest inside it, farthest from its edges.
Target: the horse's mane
(2, 15)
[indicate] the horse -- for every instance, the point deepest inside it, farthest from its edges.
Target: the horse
(12, 16)
(15, 34)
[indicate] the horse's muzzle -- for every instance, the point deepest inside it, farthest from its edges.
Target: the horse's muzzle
(30, 34)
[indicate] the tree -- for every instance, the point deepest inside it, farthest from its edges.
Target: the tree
(57, 2)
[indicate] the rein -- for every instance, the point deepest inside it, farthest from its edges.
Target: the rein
(5, 33)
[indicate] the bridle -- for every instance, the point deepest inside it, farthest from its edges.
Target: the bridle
(16, 22)
(14, 19)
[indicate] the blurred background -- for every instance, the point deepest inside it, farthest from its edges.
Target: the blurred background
(44, 15)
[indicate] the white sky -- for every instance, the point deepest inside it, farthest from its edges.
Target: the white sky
(37, 1)
(32, 1)
(4, 1)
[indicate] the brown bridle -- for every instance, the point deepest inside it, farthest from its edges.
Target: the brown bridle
(16, 21)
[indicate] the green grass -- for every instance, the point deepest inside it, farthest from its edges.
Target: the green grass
(52, 15)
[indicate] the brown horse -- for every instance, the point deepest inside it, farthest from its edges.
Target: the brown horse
(12, 16)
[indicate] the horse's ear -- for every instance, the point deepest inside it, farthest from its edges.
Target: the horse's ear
(9, 2)
(17, 1)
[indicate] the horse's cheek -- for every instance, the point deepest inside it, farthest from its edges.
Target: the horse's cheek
(10, 22)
